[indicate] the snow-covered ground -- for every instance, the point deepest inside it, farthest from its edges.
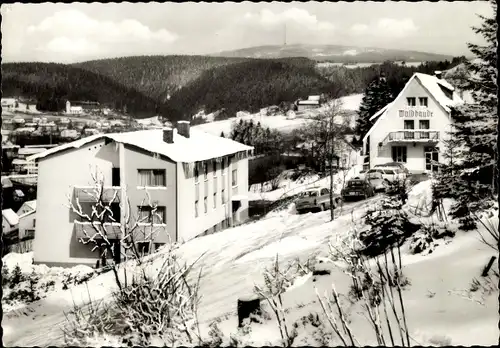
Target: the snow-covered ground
(234, 261)
(279, 122)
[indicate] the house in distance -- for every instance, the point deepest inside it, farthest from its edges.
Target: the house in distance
(413, 128)
(197, 181)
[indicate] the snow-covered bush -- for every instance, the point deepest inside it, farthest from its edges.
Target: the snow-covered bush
(389, 226)
(427, 237)
(151, 308)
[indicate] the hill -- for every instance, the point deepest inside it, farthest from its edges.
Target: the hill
(52, 84)
(251, 85)
(156, 76)
(333, 53)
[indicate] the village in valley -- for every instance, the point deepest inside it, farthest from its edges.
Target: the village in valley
(282, 194)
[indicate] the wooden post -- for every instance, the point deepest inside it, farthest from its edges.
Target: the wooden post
(246, 306)
(488, 267)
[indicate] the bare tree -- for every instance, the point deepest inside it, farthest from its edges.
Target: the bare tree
(321, 136)
(112, 235)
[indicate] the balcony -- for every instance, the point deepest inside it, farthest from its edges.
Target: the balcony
(89, 194)
(112, 230)
(410, 136)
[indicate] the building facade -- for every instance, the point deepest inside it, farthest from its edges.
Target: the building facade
(198, 182)
(414, 127)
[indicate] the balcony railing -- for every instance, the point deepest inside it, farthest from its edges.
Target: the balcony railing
(112, 230)
(88, 230)
(90, 193)
(411, 135)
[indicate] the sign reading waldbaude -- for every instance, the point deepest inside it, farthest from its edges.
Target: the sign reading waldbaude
(414, 112)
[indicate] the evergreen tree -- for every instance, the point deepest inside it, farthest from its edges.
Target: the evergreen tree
(222, 134)
(377, 95)
(471, 178)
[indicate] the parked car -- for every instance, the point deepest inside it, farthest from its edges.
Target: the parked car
(316, 198)
(389, 174)
(376, 179)
(357, 188)
(394, 164)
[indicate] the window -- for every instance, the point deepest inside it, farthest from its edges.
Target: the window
(223, 166)
(325, 191)
(223, 196)
(412, 101)
(424, 124)
(115, 210)
(205, 170)
(34, 223)
(205, 203)
(196, 208)
(152, 177)
(214, 168)
(409, 124)
(196, 173)
(235, 178)
(149, 214)
(215, 200)
(143, 247)
(422, 101)
(399, 154)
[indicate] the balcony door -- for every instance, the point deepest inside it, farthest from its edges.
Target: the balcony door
(115, 177)
(409, 124)
(431, 159)
(424, 125)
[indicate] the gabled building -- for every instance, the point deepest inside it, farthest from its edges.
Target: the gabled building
(412, 128)
(10, 222)
(199, 183)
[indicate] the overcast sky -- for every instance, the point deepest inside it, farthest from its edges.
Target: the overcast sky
(76, 32)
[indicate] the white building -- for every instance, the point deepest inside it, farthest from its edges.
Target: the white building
(69, 133)
(9, 103)
(198, 181)
(73, 110)
(412, 128)
(10, 221)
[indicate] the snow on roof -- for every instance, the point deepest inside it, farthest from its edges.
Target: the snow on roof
(308, 102)
(19, 161)
(6, 183)
(380, 112)
(10, 216)
(31, 204)
(30, 150)
(199, 146)
(314, 97)
(432, 84)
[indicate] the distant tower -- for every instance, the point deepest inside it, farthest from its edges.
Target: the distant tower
(68, 107)
(284, 34)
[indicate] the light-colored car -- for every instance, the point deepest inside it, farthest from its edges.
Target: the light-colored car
(393, 165)
(389, 174)
(377, 181)
(316, 198)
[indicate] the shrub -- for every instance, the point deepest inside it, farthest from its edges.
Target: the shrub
(389, 226)
(17, 277)
(160, 308)
(5, 276)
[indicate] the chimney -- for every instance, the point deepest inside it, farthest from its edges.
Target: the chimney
(438, 74)
(168, 135)
(183, 128)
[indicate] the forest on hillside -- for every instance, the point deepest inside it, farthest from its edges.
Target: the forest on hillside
(250, 86)
(141, 84)
(52, 84)
(156, 76)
